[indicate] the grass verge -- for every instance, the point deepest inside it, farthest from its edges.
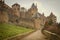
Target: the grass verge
(7, 30)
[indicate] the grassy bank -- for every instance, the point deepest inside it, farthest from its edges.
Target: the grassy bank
(7, 30)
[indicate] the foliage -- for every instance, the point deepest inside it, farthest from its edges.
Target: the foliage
(50, 22)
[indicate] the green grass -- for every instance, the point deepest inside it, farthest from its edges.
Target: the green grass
(7, 30)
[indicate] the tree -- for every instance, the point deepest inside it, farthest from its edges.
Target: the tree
(50, 22)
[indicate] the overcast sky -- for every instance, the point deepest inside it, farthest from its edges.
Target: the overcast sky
(46, 6)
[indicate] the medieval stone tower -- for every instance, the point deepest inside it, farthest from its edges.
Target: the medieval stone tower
(16, 12)
(3, 12)
(23, 12)
(33, 10)
(16, 9)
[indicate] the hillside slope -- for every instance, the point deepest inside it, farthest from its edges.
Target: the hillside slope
(8, 30)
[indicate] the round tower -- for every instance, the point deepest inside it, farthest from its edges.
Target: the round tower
(16, 9)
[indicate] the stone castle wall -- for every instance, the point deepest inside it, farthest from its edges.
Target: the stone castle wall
(26, 23)
(23, 17)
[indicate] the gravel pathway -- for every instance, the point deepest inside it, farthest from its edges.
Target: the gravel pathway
(35, 36)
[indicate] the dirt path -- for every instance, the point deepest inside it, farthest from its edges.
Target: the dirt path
(35, 36)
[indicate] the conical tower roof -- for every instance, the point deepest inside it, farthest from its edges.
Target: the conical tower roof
(33, 5)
